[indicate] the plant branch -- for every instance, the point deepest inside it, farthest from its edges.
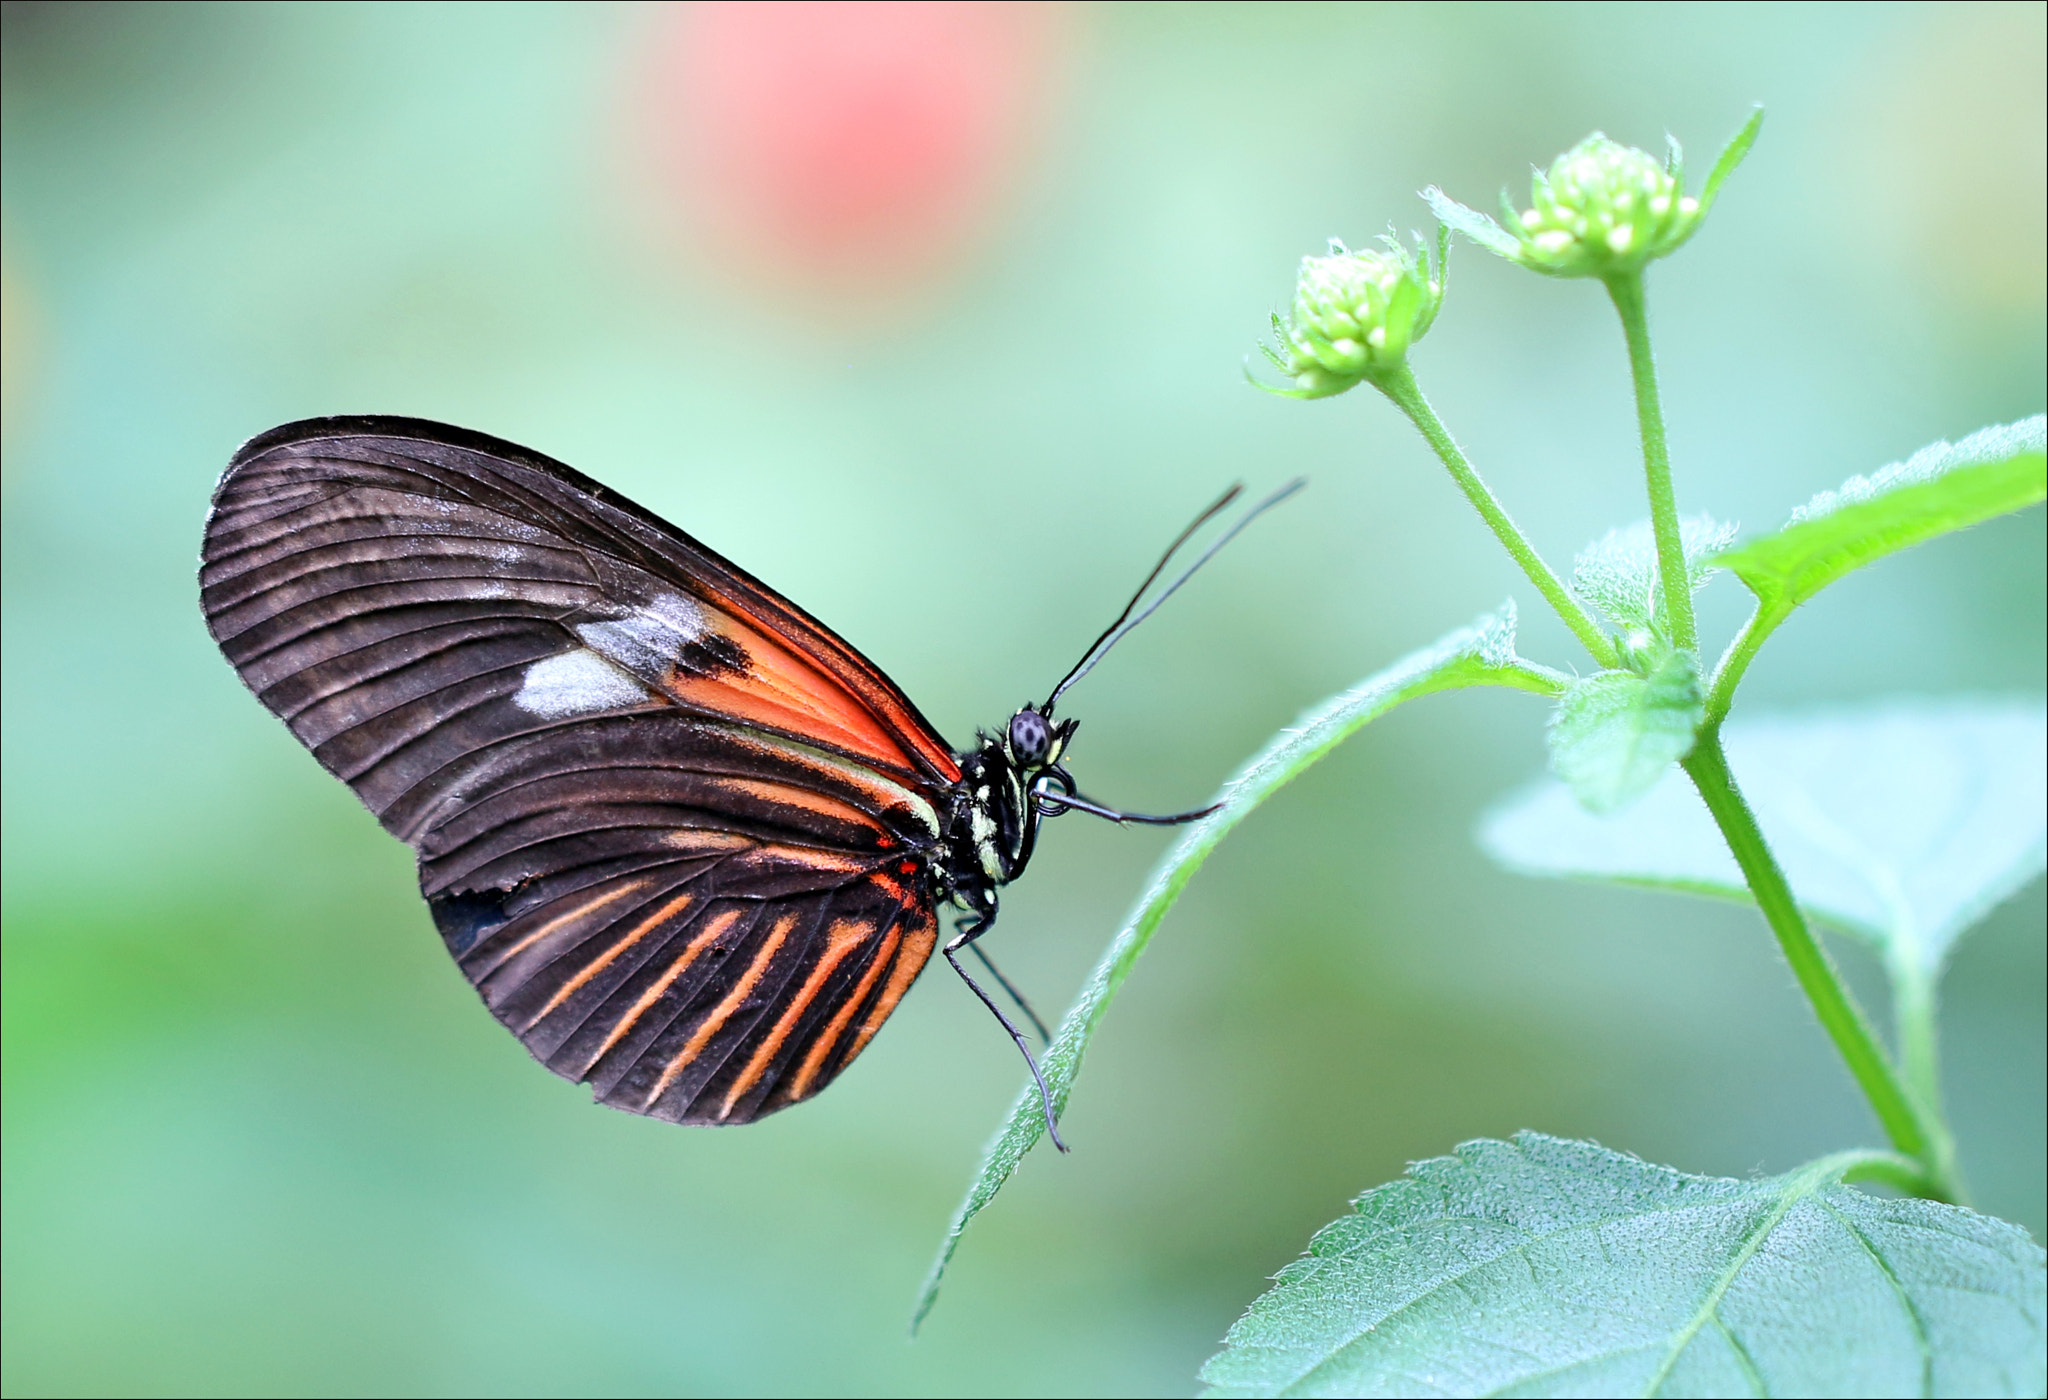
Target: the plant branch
(1627, 291)
(1913, 1018)
(1400, 386)
(1728, 671)
(1910, 1124)
(1899, 1173)
(1913, 1023)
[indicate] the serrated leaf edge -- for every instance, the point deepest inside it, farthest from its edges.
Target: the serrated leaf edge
(1786, 1192)
(1997, 443)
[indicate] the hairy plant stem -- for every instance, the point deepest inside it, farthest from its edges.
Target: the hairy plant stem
(1400, 386)
(1899, 1173)
(1909, 1108)
(1728, 671)
(1913, 1025)
(1627, 291)
(1914, 1127)
(1913, 1019)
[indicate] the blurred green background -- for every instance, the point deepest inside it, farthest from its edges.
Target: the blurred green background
(260, 1138)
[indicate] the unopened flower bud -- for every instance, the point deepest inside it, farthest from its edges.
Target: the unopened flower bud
(1602, 209)
(1354, 316)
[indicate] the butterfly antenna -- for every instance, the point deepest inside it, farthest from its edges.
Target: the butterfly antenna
(1126, 621)
(1182, 538)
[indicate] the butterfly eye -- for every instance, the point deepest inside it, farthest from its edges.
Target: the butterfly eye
(1030, 737)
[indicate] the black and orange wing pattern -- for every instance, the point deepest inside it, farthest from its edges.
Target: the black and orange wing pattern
(676, 833)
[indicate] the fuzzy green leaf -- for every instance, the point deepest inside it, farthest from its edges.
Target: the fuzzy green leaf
(1615, 733)
(1618, 572)
(1545, 1267)
(1473, 224)
(1943, 487)
(1903, 822)
(1480, 655)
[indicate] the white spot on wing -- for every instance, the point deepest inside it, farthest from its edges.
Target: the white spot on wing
(576, 682)
(650, 639)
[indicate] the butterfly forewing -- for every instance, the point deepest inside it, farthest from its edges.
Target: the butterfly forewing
(672, 828)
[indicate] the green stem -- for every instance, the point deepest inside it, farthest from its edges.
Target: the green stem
(1899, 1173)
(1400, 386)
(1627, 291)
(1913, 1014)
(1735, 661)
(1913, 1021)
(1907, 1122)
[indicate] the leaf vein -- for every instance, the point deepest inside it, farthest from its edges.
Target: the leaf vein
(1798, 1189)
(1921, 1340)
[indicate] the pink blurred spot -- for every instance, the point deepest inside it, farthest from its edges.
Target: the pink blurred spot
(859, 144)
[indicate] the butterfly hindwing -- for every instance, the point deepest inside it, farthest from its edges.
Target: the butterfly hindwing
(675, 1001)
(671, 827)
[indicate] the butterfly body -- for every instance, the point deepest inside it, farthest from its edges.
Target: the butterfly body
(687, 844)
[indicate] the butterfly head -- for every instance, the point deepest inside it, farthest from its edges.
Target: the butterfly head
(1036, 740)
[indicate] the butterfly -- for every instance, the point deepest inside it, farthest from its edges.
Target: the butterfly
(690, 846)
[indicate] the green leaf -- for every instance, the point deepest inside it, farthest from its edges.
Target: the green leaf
(1615, 733)
(1474, 225)
(1903, 821)
(1482, 654)
(1941, 488)
(1545, 1267)
(1730, 157)
(1618, 572)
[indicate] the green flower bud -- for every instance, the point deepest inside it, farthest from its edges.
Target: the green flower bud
(1602, 209)
(1355, 314)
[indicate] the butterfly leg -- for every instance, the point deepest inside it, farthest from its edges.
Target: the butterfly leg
(1016, 996)
(973, 927)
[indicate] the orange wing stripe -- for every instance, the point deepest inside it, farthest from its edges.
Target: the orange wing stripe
(717, 925)
(701, 841)
(738, 698)
(886, 734)
(917, 946)
(844, 936)
(606, 958)
(829, 1037)
(806, 799)
(782, 690)
(798, 681)
(589, 906)
(723, 1011)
